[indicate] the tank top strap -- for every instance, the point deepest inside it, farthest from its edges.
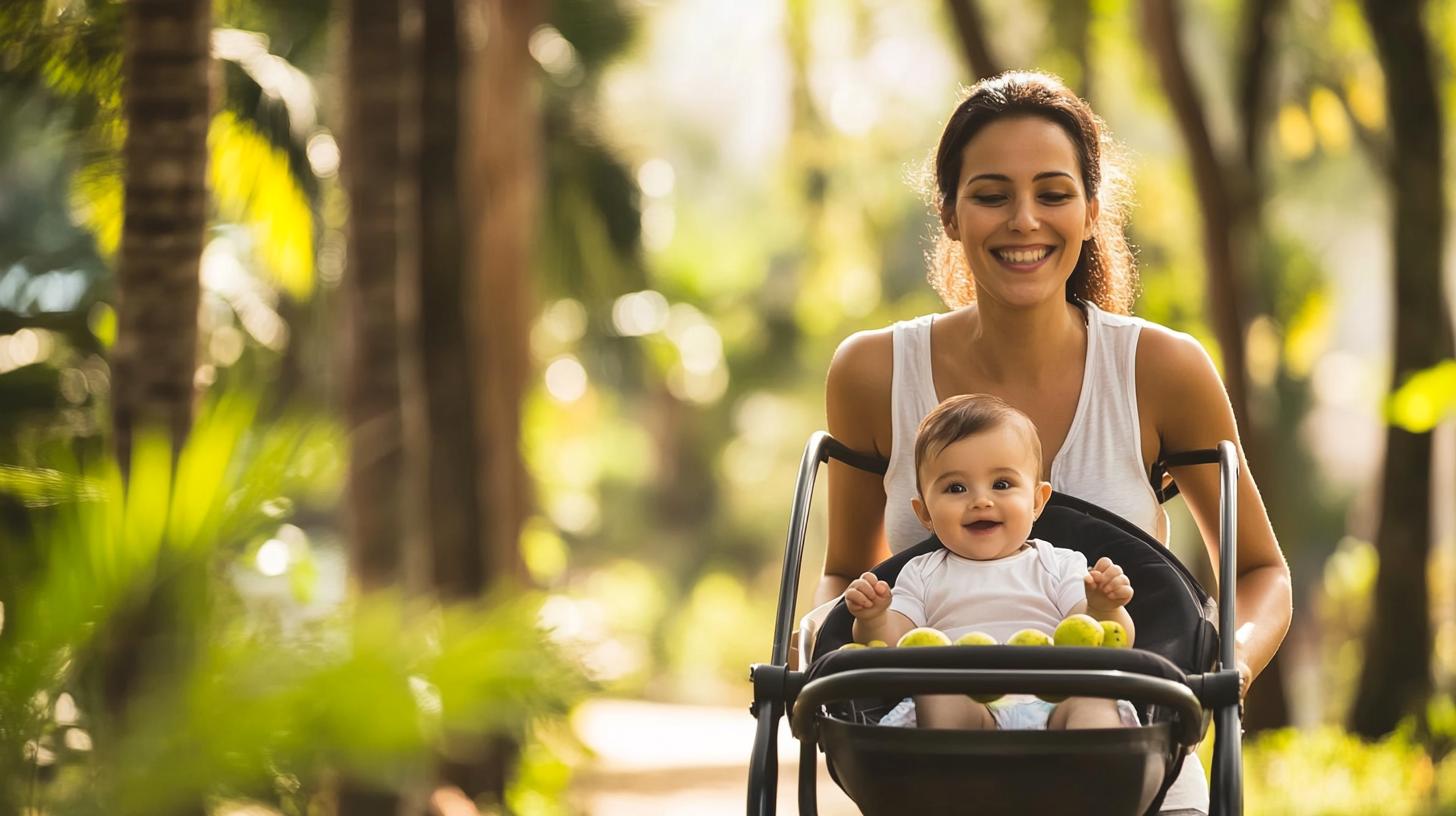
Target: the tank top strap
(912, 396)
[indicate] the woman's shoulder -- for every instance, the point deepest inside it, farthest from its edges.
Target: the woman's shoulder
(1169, 354)
(857, 390)
(1177, 381)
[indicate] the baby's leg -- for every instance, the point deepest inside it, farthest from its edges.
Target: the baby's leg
(1084, 712)
(952, 711)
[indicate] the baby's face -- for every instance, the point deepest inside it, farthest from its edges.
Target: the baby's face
(981, 494)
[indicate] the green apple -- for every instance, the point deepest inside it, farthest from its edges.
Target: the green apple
(1078, 630)
(877, 644)
(924, 636)
(1113, 635)
(1033, 637)
(1029, 637)
(979, 639)
(849, 646)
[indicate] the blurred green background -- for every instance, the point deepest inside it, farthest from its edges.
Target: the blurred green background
(513, 319)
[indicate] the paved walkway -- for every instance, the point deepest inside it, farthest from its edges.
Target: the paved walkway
(655, 758)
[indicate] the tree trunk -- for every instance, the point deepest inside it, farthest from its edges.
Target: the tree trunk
(970, 27)
(1395, 678)
(501, 167)
(1071, 24)
(1217, 200)
(167, 104)
(457, 565)
(1230, 194)
(378, 284)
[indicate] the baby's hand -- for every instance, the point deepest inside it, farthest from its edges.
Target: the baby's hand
(1108, 589)
(867, 596)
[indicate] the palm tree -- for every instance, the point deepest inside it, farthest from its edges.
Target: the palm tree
(377, 164)
(167, 105)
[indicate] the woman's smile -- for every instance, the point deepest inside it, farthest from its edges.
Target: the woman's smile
(1023, 258)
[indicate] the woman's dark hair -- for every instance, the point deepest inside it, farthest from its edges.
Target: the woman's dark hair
(1104, 274)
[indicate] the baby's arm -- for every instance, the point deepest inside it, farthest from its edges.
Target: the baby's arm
(868, 599)
(1108, 591)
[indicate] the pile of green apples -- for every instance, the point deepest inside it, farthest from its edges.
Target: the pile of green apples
(1074, 630)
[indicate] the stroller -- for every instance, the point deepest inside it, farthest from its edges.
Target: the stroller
(1179, 677)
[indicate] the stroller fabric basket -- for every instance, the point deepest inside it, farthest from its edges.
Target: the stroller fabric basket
(1172, 677)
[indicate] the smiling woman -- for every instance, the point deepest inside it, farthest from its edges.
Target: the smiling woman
(1035, 268)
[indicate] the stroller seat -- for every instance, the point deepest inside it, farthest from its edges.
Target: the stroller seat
(1173, 677)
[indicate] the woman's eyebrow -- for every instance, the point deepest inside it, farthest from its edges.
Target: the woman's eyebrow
(1000, 177)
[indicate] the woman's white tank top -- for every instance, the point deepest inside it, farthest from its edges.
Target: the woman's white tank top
(1101, 460)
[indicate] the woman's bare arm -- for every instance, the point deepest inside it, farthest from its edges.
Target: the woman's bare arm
(857, 404)
(1192, 412)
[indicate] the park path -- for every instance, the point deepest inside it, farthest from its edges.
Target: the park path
(659, 758)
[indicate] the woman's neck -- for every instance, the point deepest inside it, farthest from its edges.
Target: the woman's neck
(1022, 344)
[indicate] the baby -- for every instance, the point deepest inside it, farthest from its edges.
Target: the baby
(978, 475)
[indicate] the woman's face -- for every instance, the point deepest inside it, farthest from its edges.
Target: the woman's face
(1020, 211)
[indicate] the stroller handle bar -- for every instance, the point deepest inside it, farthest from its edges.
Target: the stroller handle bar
(1086, 683)
(820, 448)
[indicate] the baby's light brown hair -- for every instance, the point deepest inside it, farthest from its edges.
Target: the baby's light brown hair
(967, 415)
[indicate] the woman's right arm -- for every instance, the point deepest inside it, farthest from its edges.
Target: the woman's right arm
(857, 404)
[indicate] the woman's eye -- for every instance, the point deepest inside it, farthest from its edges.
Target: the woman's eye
(989, 199)
(1056, 198)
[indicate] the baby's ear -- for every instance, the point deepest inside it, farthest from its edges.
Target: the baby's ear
(921, 513)
(1039, 499)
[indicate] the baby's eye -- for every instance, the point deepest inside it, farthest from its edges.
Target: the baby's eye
(1001, 484)
(955, 487)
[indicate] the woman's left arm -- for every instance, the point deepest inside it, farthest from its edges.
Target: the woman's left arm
(1180, 391)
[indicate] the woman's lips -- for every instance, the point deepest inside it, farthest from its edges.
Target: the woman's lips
(1023, 259)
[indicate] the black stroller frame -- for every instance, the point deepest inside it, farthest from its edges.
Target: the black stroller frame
(883, 769)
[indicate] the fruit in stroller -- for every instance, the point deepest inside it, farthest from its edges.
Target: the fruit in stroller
(877, 644)
(979, 639)
(1113, 635)
(924, 636)
(852, 646)
(1029, 637)
(1078, 630)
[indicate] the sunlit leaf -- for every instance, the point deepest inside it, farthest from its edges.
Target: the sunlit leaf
(1424, 399)
(252, 184)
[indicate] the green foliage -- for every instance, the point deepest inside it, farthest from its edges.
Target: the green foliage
(230, 697)
(1331, 773)
(1425, 399)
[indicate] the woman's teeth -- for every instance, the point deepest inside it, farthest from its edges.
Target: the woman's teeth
(1023, 256)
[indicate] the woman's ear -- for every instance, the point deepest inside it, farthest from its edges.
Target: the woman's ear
(921, 513)
(1093, 210)
(948, 221)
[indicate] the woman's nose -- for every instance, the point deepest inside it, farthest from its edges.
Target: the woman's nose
(1023, 215)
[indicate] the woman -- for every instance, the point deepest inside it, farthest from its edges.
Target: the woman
(1035, 268)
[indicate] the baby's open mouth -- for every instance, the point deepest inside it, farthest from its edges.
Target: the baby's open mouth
(983, 525)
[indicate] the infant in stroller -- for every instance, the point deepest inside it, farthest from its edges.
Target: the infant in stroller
(978, 466)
